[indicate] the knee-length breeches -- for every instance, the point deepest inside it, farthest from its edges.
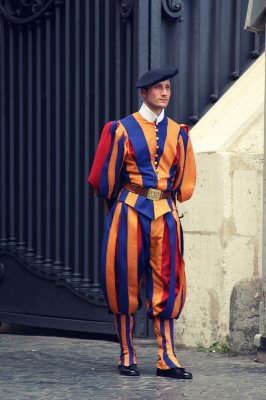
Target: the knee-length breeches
(135, 246)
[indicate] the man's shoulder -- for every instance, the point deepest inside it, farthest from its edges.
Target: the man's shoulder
(178, 125)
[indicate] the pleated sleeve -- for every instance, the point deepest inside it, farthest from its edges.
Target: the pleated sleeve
(185, 179)
(108, 160)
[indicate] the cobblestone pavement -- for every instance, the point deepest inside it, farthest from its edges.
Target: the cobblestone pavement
(66, 368)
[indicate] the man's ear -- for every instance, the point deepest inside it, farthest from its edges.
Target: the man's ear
(143, 92)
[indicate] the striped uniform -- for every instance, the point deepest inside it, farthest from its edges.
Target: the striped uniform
(143, 238)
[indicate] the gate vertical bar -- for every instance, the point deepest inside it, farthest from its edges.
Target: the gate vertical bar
(30, 248)
(117, 65)
(58, 212)
(155, 34)
(195, 53)
(12, 238)
(87, 201)
(76, 276)
(67, 269)
(216, 51)
(48, 159)
(3, 192)
(236, 72)
(38, 256)
(21, 194)
(95, 283)
(140, 45)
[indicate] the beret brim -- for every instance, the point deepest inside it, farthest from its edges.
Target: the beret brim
(156, 75)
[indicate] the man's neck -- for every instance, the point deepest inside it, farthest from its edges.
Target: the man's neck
(150, 115)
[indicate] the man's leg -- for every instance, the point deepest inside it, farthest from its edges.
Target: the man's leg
(124, 326)
(164, 331)
(166, 289)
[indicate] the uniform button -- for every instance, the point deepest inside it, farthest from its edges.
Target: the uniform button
(157, 147)
(157, 138)
(156, 130)
(156, 155)
(155, 162)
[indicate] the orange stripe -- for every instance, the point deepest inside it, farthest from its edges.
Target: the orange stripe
(169, 344)
(156, 324)
(182, 275)
(124, 340)
(110, 261)
(169, 153)
(157, 228)
(131, 337)
(132, 260)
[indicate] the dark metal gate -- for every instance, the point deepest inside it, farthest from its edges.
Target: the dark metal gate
(66, 67)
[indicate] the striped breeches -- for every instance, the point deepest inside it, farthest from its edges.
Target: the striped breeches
(135, 247)
(165, 338)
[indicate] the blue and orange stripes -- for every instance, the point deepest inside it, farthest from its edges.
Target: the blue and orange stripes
(164, 332)
(124, 326)
(134, 246)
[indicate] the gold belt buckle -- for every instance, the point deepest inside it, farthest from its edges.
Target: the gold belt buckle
(154, 194)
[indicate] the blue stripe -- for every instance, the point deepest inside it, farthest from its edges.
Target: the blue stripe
(108, 225)
(144, 257)
(185, 142)
(145, 206)
(120, 155)
(162, 133)
(122, 260)
(171, 294)
(141, 149)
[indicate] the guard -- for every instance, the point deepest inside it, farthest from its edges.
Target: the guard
(151, 158)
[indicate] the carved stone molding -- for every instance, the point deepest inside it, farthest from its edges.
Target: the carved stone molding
(23, 11)
(126, 7)
(173, 8)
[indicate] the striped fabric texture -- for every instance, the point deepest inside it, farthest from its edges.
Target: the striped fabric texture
(164, 331)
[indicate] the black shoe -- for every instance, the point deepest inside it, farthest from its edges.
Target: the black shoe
(177, 373)
(132, 370)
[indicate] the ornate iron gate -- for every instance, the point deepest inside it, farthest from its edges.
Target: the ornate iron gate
(66, 67)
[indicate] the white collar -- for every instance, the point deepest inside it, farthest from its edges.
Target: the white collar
(149, 115)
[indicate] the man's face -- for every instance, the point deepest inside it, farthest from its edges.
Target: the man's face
(157, 96)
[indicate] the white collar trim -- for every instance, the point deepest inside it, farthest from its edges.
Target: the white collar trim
(149, 115)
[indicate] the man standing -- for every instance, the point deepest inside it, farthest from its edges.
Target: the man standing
(152, 157)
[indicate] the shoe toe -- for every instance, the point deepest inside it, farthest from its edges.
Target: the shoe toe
(131, 370)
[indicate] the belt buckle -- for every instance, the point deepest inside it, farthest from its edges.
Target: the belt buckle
(154, 194)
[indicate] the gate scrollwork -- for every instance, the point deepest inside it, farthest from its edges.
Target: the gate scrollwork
(23, 11)
(126, 7)
(173, 8)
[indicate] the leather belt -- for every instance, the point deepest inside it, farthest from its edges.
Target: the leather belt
(150, 193)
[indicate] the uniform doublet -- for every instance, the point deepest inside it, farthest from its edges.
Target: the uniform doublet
(143, 236)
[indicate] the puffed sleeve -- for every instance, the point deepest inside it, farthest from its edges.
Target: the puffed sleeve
(108, 160)
(185, 179)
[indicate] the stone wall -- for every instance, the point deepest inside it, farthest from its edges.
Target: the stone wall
(223, 221)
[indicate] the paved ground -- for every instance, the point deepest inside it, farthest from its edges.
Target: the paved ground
(67, 368)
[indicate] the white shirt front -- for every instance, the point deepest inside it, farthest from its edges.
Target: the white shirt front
(149, 115)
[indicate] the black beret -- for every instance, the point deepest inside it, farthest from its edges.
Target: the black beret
(156, 75)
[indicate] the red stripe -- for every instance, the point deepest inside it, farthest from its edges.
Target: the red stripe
(100, 156)
(166, 264)
(177, 266)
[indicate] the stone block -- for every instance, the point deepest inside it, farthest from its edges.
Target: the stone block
(244, 314)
